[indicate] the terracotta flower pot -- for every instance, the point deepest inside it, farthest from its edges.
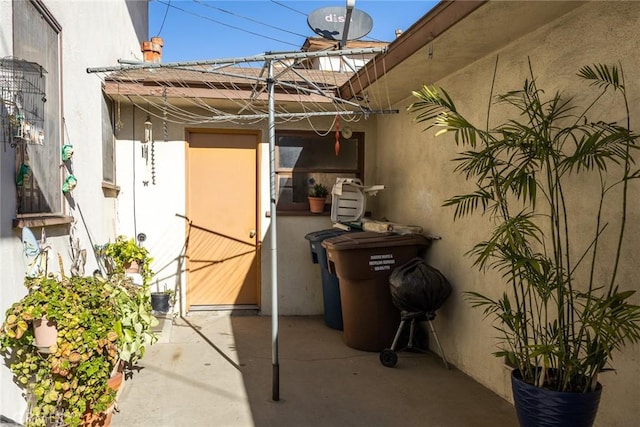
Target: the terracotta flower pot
(316, 204)
(132, 267)
(46, 335)
(115, 381)
(99, 419)
(103, 419)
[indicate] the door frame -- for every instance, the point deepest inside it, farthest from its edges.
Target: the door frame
(234, 131)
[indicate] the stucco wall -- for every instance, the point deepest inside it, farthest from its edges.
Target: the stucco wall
(95, 33)
(299, 283)
(417, 170)
(154, 210)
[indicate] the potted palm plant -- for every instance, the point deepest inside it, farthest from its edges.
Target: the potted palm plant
(318, 197)
(562, 312)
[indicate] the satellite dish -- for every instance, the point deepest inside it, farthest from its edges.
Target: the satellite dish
(328, 22)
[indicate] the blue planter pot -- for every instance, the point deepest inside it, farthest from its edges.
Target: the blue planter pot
(539, 407)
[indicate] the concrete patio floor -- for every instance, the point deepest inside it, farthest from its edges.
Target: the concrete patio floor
(214, 369)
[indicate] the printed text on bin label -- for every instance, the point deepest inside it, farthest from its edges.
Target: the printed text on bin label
(381, 262)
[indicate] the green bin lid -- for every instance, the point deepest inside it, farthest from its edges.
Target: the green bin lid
(371, 239)
(320, 235)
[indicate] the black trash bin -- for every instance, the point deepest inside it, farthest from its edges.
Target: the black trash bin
(363, 263)
(330, 283)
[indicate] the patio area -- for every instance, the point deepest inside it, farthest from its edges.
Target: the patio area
(215, 368)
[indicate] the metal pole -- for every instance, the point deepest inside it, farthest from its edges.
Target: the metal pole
(230, 61)
(274, 239)
(347, 23)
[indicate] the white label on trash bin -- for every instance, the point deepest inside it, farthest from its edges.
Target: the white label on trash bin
(381, 262)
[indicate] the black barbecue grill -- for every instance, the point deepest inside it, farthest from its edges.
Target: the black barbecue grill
(417, 290)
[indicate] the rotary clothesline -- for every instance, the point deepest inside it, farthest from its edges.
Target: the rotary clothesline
(309, 91)
(234, 89)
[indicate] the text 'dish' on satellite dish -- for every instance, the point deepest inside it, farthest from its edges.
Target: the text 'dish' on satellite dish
(328, 22)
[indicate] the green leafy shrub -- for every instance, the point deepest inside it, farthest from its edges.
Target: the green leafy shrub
(318, 190)
(125, 250)
(99, 322)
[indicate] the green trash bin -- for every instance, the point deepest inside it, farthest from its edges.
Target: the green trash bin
(363, 263)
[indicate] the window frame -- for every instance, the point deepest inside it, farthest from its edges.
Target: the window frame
(45, 213)
(110, 116)
(280, 172)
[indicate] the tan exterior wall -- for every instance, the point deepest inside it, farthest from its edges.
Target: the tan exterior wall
(418, 173)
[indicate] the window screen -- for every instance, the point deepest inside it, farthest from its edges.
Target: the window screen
(36, 42)
(305, 158)
(108, 144)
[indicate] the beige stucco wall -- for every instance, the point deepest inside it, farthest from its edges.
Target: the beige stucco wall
(418, 173)
(299, 282)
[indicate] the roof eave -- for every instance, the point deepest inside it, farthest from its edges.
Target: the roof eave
(438, 20)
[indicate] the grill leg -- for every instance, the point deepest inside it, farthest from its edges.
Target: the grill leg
(397, 337)
(435, 335)
(412, 329)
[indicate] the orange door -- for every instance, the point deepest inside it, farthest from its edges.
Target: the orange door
(222, 242)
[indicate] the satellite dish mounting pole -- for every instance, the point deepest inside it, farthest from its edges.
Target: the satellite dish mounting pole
(347, 21)
(274, 238)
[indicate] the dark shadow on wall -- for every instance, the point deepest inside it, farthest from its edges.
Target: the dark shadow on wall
(6, 422)
(133, 7)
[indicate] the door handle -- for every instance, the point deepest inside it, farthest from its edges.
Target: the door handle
(252, 234)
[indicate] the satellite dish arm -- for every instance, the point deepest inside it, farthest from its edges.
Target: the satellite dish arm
(347, 21)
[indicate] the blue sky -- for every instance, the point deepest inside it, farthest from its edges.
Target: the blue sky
(199, 29)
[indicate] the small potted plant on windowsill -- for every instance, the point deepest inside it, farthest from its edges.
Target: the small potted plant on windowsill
(318, 197)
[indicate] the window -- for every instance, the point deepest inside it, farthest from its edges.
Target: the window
(31, 96)
(108, 143)
(304, 158)
(110, 125)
